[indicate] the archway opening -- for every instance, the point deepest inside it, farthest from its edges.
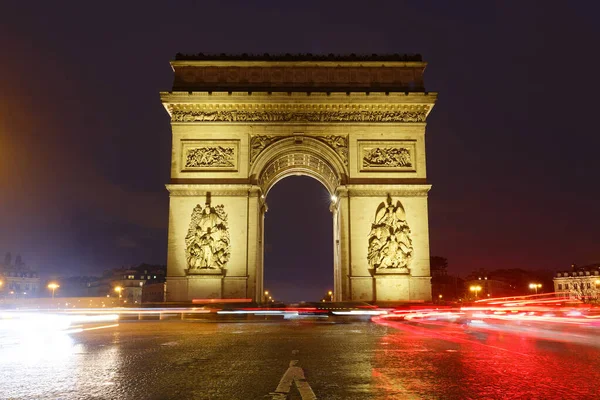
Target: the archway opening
(298, 251)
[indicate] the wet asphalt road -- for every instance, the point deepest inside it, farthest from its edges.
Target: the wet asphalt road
(247, 360)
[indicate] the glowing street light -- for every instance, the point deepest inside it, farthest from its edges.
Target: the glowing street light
(535, 286)
(475, 289)
(53, 286)
(119, 289)
(330, 294)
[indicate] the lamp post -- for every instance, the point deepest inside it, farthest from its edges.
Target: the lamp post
(535, 286)
(330, 294)
(476, 289)
(53, 286)
(266, 297)
(119, 289)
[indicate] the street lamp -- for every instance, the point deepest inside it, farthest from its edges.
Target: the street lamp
(330, 294)
(535, 286)
(475, 289)
(119, 289)
(53, 286)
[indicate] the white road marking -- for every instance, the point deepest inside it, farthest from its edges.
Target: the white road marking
(293, 375)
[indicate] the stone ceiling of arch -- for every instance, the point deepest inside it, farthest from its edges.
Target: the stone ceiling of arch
(298, 162)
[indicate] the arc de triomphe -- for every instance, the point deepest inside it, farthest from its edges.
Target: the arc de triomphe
(242, 123)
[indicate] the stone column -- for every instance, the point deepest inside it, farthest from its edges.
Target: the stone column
(254, 267)
(341, 233)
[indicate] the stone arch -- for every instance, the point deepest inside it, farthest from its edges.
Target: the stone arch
(247, 130)
(299, 155)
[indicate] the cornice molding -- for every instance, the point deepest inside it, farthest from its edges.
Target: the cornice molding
(385, 190)
(236, 97)
(243, 190)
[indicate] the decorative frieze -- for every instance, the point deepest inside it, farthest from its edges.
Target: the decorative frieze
(387, 155)
(305, 113)
(390, 243)
(209, 155)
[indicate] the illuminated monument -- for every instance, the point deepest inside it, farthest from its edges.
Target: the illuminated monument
(242, 123)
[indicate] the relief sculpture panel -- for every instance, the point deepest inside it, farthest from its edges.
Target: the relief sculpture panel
(207, 240)
(387, 156)
(199, 155)
(390, 243)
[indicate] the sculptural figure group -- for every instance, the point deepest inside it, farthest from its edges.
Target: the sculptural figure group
(390, 245)
(207, 241)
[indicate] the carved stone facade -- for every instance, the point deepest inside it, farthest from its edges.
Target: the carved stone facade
(410, 115)
(293, 162)
(207, 241)
(210, 157)
(386, 157)
(239, 126)
(338, 143)
(258, 144)
(390, 243)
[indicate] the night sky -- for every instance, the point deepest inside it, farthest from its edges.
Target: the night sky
(512, 144)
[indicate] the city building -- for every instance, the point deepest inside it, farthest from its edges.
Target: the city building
(582, 283)
(128, 283)
(18, 279)
(482, 284)
(132, 285)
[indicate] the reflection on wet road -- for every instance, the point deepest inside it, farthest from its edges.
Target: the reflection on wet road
(385, 360)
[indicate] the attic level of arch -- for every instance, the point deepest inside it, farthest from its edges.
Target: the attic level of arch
(300, 75)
